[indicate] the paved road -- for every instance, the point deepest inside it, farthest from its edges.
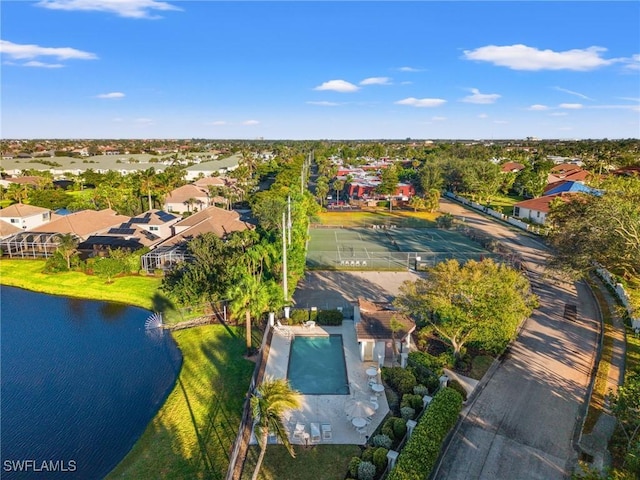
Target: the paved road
(523, 423)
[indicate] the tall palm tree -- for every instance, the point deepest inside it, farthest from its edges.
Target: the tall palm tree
(148, 184)
(270, 401)
(67, 247)
(249, 297)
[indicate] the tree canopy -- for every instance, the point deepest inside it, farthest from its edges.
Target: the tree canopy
(480, 301)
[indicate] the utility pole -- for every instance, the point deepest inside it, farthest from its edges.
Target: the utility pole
(285, 287)
(289, 220)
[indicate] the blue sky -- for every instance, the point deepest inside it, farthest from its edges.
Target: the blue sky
(319, 70)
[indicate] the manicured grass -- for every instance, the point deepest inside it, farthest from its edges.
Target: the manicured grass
(192, 434)
(633, 351)
(315, 463)
(136, 290)
(359, 218)
(479, 366)
(505, 202)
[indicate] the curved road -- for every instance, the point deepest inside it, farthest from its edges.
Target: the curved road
(524, 421)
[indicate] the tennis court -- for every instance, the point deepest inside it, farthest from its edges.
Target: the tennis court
(387, 248)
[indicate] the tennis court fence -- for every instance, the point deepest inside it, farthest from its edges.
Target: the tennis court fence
(367, 260)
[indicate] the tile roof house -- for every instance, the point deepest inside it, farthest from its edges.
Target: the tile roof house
(569, 186)
(216, 220)
(374, 334)
(511, 167)
(84, 223)
(25, 217)
(188, 198)
(536, 209)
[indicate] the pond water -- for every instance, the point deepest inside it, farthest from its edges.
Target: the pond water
(80, 381)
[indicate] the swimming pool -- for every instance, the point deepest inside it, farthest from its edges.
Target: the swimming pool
(317, 365)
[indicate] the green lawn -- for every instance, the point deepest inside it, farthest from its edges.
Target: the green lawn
(191, 435)
(479, 366)
(359, 218)
(311, 463)
(136, 290)
(505, 203)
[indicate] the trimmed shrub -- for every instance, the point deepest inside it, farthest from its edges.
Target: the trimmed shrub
(419, 455)
(411, 400)
(366, 471)
(407, 413)
(399, 427)
(387, 429)
(298, 316)
(367, 455)
(400, 379)
(392, 400)
(330, 317)
(313, 315)
(382, 441)
(380, 459)
(420, 390)
(354, 463)
(458, 388)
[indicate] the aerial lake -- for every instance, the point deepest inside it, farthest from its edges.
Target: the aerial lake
(80, 382)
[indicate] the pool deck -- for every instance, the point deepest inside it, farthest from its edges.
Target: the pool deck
(323, 409)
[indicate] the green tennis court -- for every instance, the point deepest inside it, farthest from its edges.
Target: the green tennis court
(387, 248)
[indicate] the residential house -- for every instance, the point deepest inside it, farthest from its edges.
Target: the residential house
(84, 223)
(188, 198)
(25, 217)
(511, 167)
(170, 252)
(536, 209)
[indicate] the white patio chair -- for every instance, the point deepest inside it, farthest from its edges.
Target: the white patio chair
(326, 431)
(298, 431)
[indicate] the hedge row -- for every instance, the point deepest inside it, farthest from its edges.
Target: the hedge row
(420, 454)
(322, 317)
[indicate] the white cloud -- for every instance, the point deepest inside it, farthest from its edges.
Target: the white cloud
(250, 122)
(406, 83)
(570, 92)
(522, 57)
(438, 119)
(111, 95)
(376, 81)
(480, 98)
(338, 86)
(483, 115)
(37, 64)
(218, 123)
(559, 114)
(144, 121)
(324, 104)
(24, 52)
(123, 8)
(538, 108)
(633, 63)
(421, 102)
(571, 106)
(500, 122)
(410, 69)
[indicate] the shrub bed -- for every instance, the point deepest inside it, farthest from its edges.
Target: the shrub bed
(419, 455)
(330, 317)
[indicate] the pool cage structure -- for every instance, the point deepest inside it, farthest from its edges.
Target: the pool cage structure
(31, 244)
(164, 258)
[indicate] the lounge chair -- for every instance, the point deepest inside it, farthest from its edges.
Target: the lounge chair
(283, 330)
(309, 324)
(326, 431)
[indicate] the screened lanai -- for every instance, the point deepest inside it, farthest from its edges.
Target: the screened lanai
(164, 258)
(30, 244)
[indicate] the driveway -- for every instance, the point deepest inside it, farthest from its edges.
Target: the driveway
(524, 421)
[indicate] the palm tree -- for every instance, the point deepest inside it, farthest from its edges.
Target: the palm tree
(67, 247)
(249, 297)
(270, 401)
(148, 183)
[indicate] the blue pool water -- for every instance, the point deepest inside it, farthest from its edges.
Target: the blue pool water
(317, 366)
(80, 382)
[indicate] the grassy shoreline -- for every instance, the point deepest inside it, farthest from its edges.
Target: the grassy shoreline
(136, 290)
(192, 432)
